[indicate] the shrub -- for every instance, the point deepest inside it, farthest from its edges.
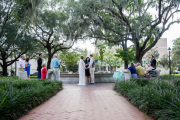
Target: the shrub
(19, 96)
(141, 82)
(170, 77)
(158, 98)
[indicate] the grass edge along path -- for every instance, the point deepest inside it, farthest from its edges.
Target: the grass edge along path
(158, 98)
(17, 96)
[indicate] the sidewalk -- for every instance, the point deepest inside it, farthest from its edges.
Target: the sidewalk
(91, 102)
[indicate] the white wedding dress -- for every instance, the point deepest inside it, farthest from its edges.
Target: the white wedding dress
(82, 79)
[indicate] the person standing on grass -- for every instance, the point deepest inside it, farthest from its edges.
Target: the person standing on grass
(27, 67)
(39, 65)
(21, 64)
(56, 67)
(43, 71)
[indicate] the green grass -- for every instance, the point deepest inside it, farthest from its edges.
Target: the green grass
(170, 75)
(158, 98)
(33, 76)
(19, 96)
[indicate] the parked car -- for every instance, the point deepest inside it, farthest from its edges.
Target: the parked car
(34, 74)
(1, 73)
(177, 71)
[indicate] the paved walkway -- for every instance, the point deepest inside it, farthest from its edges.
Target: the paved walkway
(90, 102)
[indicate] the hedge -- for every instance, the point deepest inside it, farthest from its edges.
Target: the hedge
(18, 96)
(158, 98)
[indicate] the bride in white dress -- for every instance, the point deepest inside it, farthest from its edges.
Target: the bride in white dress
(82, 79)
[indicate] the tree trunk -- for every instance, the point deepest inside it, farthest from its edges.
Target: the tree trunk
(138, 58)
(138, 53)
(125, 64)
(15, 68)
(4, 68)
(49, 59)
(49, 62)
(125, 48)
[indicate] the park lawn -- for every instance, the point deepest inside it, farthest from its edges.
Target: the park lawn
(170, 75)
(18, 96)
(158, 98)
(33, 76)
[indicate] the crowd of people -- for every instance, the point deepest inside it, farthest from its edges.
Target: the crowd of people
(86, 69)
(139, 72)
(41, 67)
(24, 66)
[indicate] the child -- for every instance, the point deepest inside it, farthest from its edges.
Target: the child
(43, 71)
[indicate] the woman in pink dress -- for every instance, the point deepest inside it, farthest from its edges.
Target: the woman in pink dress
(43, 71)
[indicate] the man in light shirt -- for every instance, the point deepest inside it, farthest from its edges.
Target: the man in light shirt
(92, 68)
(56, 67)
(21, 64)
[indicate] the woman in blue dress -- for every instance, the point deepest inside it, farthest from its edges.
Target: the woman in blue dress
(133, 70)
(27, 67)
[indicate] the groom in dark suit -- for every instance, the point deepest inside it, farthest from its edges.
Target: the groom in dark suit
(39, 63)
(153, 61)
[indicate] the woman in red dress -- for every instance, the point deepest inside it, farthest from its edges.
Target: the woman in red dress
(43, 71)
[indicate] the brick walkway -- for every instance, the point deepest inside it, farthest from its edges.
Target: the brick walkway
(90, 102)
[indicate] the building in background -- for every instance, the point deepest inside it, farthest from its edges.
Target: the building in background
(161, 47)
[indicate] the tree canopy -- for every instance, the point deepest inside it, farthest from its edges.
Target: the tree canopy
(55, 29)
(56, 25)
(119, 21)
(13, 41)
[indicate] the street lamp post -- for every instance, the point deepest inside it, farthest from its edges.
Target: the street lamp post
(169, 49)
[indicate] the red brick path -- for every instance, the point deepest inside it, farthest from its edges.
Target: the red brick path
(90, 102)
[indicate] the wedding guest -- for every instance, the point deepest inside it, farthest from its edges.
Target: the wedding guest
(153, 61)
(151, 70)
(43, 71)
(87, 73)
(92, 68)
(140, 70)
(21, 64)
(56, 67)
(27, 67)
(39, 63)
(133, 70)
